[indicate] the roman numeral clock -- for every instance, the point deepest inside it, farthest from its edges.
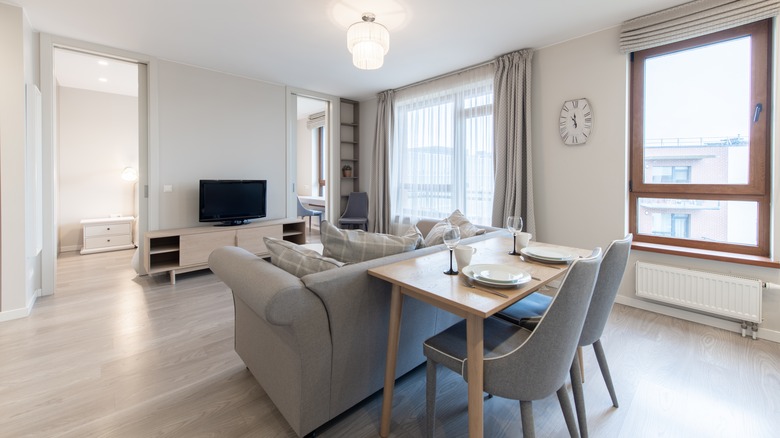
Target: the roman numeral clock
(576, 121)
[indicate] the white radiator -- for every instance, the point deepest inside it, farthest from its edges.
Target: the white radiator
(722, 295)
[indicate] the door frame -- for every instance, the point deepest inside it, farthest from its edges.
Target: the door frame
(333, 123)
(50, 153)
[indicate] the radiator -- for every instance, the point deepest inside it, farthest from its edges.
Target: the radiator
(717, 294)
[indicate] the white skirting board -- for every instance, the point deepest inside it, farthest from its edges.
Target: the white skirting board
(732, 326)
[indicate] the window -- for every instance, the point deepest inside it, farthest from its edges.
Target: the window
(700, 152)
(443, 150)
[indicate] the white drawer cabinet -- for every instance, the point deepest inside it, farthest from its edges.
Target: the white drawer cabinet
(107, 234)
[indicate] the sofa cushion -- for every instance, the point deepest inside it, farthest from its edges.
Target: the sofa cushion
(467, 229)
(296, 259)
(353, 246)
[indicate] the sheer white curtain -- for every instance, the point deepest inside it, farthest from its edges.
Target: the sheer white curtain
(442, 149)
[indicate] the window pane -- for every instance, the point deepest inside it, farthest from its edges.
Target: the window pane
(734, 222)
(695, 124)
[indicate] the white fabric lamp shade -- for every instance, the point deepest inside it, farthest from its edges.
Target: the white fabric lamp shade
(368, 42)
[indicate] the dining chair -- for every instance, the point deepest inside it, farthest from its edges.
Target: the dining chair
(356, 212)
(521, 364)
(610, 275)
(303, 212)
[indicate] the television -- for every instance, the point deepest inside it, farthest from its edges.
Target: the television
(230, 201)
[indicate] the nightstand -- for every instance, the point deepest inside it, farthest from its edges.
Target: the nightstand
(107, 234)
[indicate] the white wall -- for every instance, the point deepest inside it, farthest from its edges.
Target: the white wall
(98, 138)
(580, 191)
(216, 126)
(306, 184)
(15, 299)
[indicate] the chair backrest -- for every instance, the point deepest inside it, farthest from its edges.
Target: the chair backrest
(541, 364)
(302, 211)
(357, 205)
(610, 275)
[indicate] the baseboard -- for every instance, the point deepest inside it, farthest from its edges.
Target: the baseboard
(69, 248)
(732, 326)
(23, 312)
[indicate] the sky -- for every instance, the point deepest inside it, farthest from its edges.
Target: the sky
(685, 96)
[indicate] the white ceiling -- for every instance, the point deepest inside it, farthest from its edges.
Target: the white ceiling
(91, 72)
(302, 43)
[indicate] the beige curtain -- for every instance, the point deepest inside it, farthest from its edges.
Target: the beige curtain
(693, 19)
(379, 189)
(513, 194)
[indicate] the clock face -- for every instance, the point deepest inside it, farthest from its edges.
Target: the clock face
(576, 121)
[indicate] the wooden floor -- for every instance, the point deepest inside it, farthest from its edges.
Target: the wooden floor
(116, 355)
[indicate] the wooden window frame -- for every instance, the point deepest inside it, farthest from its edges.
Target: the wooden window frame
(758, 188)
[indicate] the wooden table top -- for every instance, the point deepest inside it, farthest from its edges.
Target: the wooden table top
(423, 277)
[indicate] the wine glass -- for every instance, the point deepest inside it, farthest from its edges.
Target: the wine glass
(451, 239)
(514, 224)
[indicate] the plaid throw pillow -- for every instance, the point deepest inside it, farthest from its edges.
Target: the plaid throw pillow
(467, 229)
(297, 260)
(353, 246)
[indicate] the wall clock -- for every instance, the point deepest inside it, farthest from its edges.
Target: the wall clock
(576, 121)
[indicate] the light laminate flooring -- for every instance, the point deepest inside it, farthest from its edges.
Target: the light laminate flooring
(112, 354)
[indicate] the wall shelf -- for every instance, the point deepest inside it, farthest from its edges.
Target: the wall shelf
(349, 150)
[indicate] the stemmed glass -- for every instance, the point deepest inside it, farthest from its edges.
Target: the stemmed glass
(514, 224)
(451, 239)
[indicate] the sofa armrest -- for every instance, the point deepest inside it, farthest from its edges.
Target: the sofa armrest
(273, 294)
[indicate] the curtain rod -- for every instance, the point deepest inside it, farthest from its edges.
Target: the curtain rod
(441, 76)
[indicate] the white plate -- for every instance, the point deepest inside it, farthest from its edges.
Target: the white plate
(547, 254)
(497, 275)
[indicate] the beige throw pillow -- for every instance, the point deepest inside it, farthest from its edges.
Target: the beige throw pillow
(467, 229)
(297, 260)
(352, 246)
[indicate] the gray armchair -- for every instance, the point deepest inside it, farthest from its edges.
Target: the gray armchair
(356, 212)
(304, 212)
(610, 275)
(521, 364)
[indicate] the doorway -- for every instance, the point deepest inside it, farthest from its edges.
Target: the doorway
(312, 151)
(97, 138)
(50, 148)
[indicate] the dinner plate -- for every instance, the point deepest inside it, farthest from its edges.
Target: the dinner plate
(547, 254)
(497, 275)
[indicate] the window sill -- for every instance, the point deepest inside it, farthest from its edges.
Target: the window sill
(720, 256)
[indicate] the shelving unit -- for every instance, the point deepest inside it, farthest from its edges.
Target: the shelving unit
(349, 150)
(187, 249)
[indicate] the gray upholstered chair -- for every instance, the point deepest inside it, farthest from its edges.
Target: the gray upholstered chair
(610, 275)
(356, 212)
(303, 212)
(521, 364)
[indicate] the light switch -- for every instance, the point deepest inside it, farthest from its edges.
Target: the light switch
(167, 188)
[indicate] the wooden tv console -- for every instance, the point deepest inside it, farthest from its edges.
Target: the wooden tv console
(187, 249)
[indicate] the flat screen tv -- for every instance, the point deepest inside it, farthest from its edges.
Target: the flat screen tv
(230, 201)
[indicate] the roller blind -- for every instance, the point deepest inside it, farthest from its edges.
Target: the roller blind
(693, 19)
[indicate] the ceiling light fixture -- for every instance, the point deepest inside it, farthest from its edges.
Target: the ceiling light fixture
(368, 42)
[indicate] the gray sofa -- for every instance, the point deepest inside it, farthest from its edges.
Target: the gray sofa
(317, 344)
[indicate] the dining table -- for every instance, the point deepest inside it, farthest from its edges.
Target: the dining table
(422, 278)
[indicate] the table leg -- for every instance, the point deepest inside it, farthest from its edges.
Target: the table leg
(475, 353)
(393, 335)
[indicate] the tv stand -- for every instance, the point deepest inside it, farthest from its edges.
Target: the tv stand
(187, 249)
(231, 223)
